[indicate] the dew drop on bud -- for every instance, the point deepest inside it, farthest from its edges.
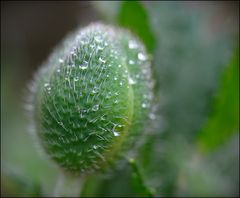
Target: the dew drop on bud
(141, 56)
(132, 44)
(84, 65)
(131, 81)
(95, 107)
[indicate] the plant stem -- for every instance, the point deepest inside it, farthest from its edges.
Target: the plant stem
(68, 185)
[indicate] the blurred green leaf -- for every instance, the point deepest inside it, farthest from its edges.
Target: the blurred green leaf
(224, 120)
(133, 15)
(188, 64)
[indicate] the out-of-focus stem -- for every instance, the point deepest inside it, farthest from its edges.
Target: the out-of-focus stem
(68, 186)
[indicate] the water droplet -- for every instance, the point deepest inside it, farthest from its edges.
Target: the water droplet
(102, 60)
(131, 62)
(83, 113)
(58, 70)
(109, 94)
(95, 107)
(119, 66)
(121, 83)
(142, 56)
(99, 48)
(144, 71)
(115, 78)
(131, 81)
(152, 116)
(92, 46)
(132, 44)
(144, 105)
(76, 79)
(115, 133)
(60, 60)
(95, 90)
(84, 65)
(98, 38)
(46, 84)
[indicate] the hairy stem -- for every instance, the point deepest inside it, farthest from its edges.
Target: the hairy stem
(68, 185)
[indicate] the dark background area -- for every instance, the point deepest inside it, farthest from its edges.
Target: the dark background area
(30, 30)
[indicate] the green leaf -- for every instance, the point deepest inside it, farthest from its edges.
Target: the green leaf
(188, 63)
(224, 119)
(133, 15)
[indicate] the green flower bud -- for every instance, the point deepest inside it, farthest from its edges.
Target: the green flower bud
(92, 97)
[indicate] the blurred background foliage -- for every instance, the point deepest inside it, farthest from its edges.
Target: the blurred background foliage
(191, 145)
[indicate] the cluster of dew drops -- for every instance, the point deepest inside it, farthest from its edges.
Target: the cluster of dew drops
(145, 74)
(67, 66)
(142, 59)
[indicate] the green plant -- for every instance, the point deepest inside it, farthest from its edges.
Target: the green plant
(91, 98)
(190, 145)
